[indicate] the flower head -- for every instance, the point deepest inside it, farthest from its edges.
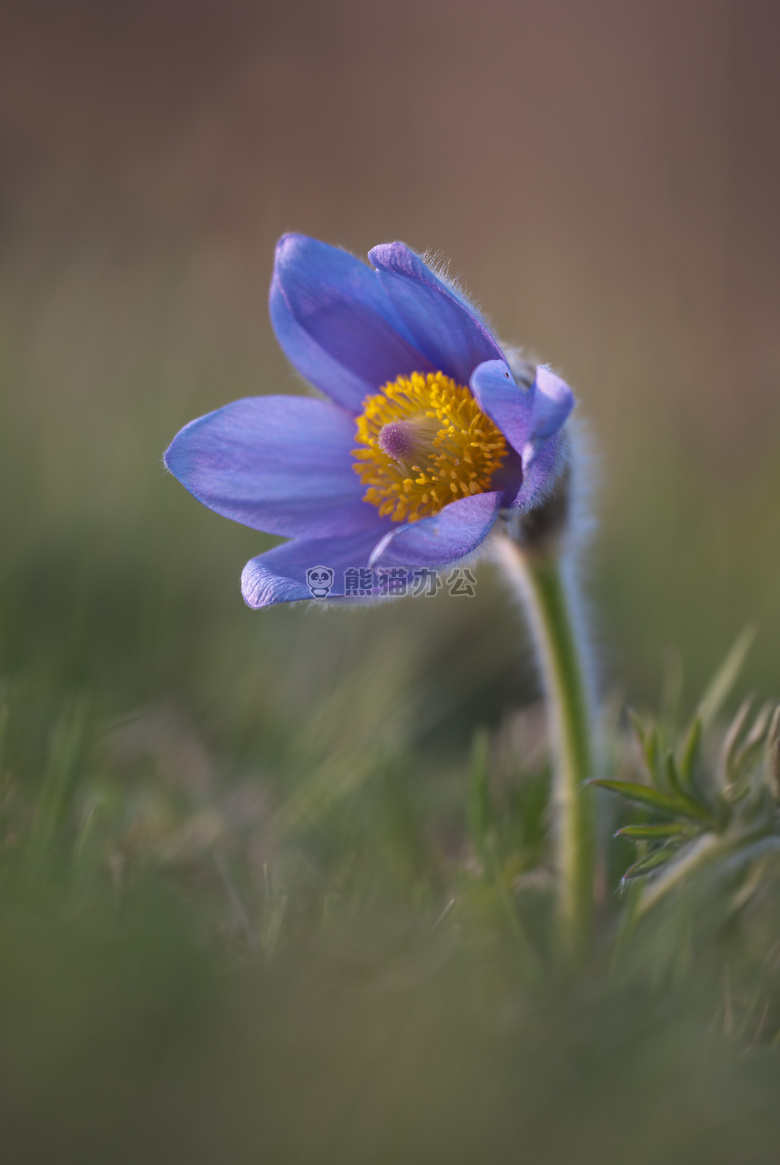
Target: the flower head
(425, 436)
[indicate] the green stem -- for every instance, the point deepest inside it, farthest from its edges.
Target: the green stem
(548, 595)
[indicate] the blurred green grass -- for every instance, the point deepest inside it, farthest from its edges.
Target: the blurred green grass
(230, 843)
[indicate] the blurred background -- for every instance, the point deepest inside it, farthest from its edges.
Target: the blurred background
(604, 178)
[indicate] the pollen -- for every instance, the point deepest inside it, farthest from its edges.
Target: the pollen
(422, 442)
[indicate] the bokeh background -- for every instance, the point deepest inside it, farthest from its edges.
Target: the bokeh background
(604, 178)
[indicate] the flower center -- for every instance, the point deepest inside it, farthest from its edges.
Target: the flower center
(423, 442)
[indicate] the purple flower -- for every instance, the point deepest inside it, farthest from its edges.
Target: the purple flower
(425, 434)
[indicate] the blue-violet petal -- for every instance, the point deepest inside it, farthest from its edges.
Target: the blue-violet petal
(442, 325)
(279, 575)
(336, 323)
(452, 534)
(553, 401)
(507, 404)
(276, 463)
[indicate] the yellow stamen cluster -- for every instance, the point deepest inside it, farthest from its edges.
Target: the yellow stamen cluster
(423, 442)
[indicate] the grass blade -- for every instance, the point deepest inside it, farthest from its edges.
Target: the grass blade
(666, 803)
(725, 677)
(658, 858)
(656, 832)
(690, 752)
(648, 744)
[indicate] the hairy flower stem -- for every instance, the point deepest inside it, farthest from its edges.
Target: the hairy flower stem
(534, 556)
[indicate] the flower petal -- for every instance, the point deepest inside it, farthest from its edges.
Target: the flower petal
(443, 326)
(545, 454)
(531, 420)
(452, 534)
(553, 401)
(505, 402)
(282, 464)
(542, 466)
(279, 575)
(336, 323)
(521, 414)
